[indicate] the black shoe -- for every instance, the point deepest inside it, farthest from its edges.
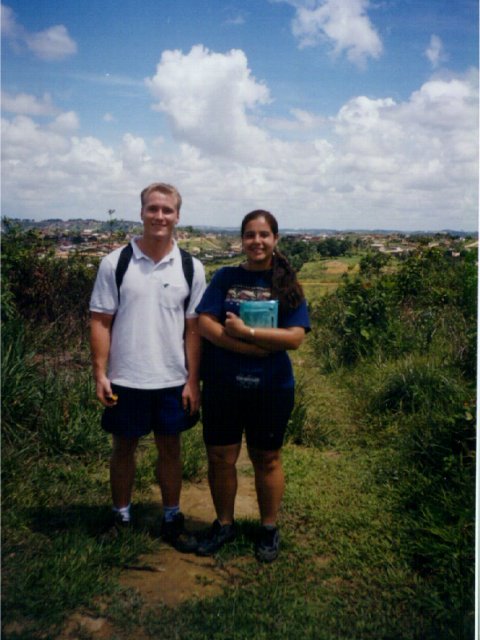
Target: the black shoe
(174, 533)
(116, 527)
(215, 538)
(268, 545)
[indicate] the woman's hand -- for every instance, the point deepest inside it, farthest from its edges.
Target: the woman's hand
(235, 326)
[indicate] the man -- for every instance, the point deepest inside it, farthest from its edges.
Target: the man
(146, 355)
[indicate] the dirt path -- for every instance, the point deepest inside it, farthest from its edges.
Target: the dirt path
(170, 577)
(189, 575)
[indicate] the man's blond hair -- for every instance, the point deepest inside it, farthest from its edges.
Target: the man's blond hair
(162, 187)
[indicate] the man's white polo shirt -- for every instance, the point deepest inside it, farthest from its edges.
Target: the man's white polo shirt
(147, 345)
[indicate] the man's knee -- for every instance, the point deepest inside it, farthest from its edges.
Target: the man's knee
(124, 448)
(168, 446)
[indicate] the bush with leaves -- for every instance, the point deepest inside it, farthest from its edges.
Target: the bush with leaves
(46, 289)
(424, 412)
(407, 339)
(427, 304)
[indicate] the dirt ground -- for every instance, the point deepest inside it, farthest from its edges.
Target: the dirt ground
(170, 577)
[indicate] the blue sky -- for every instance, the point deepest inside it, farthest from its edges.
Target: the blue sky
(340, 114)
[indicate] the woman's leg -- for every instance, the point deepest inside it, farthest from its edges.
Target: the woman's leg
(269, 483)
(222, 478)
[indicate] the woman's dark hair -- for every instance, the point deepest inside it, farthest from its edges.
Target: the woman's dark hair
(285, 286)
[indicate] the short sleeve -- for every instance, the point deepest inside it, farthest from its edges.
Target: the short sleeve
(214, 296)
(198, 288)
(297, 317)
(104, 297)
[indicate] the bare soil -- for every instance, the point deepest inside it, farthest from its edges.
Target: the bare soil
(172, 577)
(169, 577)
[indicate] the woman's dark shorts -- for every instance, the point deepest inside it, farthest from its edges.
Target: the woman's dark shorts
(139, 411)
(263, 413)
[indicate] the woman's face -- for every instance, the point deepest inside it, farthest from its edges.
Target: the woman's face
(258, 243)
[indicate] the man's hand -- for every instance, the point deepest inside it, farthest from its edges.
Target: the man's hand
(191, 397)
(104, 392)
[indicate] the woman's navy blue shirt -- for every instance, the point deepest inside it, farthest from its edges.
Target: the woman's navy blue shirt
(229, 286)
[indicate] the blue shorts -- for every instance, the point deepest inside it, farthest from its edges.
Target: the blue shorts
(263, 414)
(140, 411)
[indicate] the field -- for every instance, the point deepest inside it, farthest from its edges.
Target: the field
(323, 276)
(377, 521)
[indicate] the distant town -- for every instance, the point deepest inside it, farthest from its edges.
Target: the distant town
(96, 238)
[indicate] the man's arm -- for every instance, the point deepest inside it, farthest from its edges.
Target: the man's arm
(100, 337)
(193, 351)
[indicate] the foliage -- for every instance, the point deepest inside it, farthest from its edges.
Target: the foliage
(47, 409)
(407, 338)
(334, 247)
(296, 250)
(428, 303)
(373, 262)
(46, 289)
(377, 521)
(425, 413)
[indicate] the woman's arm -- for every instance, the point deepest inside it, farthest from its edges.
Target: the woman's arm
(270, 339)
(212, 329)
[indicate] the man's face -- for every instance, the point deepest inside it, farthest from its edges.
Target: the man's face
(159, 215)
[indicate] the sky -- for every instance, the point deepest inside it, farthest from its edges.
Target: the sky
(331, 114)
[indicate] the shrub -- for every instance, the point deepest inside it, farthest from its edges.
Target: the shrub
(425, 409)
(47, 408)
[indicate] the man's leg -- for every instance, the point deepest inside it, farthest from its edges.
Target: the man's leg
(169, 475)
(122, 470)
(169, 468)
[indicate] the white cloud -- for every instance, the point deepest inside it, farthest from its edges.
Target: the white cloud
(108, 118)
(66, 123)
(206, 97)
(26, 104)
(52, 44)
(301, 120)
(8, 22)
(343, 24)
(435, 52)
(235, 21)
(409, 164)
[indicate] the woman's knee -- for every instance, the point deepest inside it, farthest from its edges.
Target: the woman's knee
(222, 457)
(266, 461)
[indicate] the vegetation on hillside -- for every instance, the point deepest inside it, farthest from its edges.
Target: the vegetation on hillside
(378, 518)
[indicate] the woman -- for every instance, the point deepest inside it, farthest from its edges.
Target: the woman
(248, 381)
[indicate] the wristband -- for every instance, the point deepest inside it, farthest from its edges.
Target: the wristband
(252, 333)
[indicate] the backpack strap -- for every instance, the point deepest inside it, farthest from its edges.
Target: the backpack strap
(122, 266)
(187, 266)
(124, 260)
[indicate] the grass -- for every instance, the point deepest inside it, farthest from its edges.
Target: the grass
(344, 572)
(341, 573)
(323, 276)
